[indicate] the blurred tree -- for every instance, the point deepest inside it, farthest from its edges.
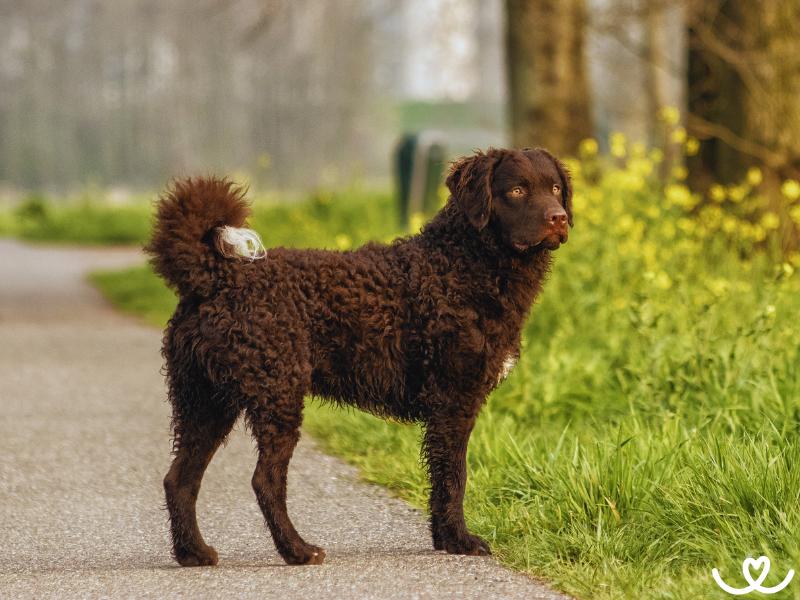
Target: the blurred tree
(549, 91)
(657, 66)
(743, 84)
(657, 74)
(637, 50)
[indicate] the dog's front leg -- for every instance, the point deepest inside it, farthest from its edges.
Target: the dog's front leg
(445, 450)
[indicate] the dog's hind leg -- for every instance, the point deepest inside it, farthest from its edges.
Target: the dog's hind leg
(198, 434)
(276, 428)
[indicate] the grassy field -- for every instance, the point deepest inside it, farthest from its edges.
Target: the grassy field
(77, 221)
(651, 429)
(328, 218)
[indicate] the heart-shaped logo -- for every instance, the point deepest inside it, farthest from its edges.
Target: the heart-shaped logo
(760, 566)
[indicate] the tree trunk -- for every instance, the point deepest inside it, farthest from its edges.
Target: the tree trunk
(657, 79)
(549, 91)
(743, 77)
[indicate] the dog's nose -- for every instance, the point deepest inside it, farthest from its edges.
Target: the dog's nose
(556, 217)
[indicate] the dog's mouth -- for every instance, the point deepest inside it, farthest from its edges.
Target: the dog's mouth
(549, 242)
(522, 246)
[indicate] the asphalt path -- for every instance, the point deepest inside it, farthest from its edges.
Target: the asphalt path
(84, 445)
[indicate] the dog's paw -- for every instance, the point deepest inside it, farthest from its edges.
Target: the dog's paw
(468, 544)
(305, 554)
(205, 556)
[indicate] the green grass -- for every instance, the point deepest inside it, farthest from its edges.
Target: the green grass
(651, 430)
(83, 222)
(329, 219)
(137, 291)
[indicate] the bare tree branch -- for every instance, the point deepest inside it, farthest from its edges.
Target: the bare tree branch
(704, 129)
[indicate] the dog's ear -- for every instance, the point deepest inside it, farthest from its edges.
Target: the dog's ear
(470, 183)
(566, 183)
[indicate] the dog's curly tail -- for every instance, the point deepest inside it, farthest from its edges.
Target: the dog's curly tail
(198, 227)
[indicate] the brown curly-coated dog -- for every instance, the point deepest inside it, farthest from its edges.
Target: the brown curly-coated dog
(419, 330)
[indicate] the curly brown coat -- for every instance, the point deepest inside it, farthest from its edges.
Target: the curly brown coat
(418, 330)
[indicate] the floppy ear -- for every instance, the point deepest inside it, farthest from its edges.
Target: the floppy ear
(470, 183)
(566, 184)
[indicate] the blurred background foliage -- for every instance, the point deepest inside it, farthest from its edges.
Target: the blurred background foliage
(304, 95)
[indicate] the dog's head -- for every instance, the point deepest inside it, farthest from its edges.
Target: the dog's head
(525, 195)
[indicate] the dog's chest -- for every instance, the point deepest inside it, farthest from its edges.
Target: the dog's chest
(504, 356)
(506, 367)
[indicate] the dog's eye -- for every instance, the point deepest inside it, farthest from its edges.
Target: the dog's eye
(556, 189)
(516, 192)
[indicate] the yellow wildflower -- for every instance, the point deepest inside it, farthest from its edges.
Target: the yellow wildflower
(343, 241)
(662, 281)
(687, 225)
(678, 195)
(656, 155)
(737, 193)
(588, 147)
(791, 189)
(625, 223)
(729, 224)
(712, 216)
(692, 146)
(717, 193)
(678, 135)
(669, 115)
(770, 221)
(680, 173)
(754, 176)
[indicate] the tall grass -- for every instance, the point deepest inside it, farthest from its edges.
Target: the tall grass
(651, 429)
